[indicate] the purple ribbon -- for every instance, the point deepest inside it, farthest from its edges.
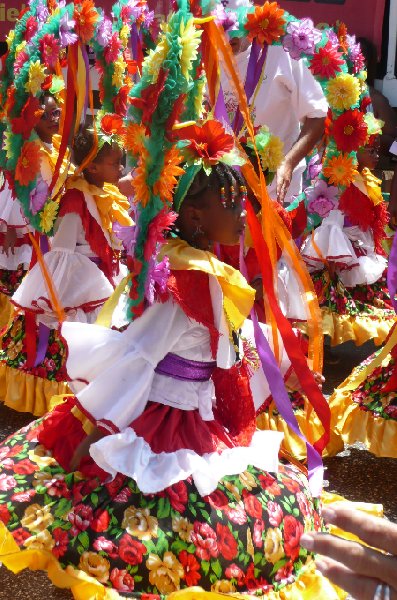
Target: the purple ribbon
(44, 334)
(87, 79)
(183, 369)
(392, 273)
(280, 395)
(44, 247)
(254, 69)
(220, 111)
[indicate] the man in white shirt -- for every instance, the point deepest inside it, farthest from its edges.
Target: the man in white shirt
(290, 102)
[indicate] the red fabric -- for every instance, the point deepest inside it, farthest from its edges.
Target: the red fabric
(190, 289)
(31, 339)
(20, 241)
(73, 202)
(299, 220)
(168, 429)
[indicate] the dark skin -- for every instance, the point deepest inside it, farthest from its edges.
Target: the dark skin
(46, 128)
(203, 212)
(106, 167)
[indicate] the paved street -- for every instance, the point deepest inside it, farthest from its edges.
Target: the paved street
(354, 473)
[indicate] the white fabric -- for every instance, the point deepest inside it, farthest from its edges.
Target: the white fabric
(289, 293)
(115, 372)
(333, 243)
(370, 264)
(77, 280)
(289, 94)
(11, 216)
(126, 452)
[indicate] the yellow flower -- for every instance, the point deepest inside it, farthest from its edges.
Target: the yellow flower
(42, 478)
(48, 216)
(198, 99)
(232, 489)
(189, 40)
(272, 155)
(182, 527)
(340, 169)
(139, 523)
(41, 456)
(10, 37)
(155, 59)
(124, 35)
(37, 518)
(120, 67)
(248, 480)
(273, 545)
(95, 565)
(36, 77)
(19, 48)
(343, 91)
(40, 541)
(223, 586)
(7, 137)
(165, 574)
(16, 328)
(14, 349)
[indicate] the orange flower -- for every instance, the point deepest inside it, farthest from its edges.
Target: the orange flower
(208, 142)
(164, 187)
(112, 124)
(266, 24)
(85, 16)
(134, 138)
(139, 185)
(28, 164)
(340, 169)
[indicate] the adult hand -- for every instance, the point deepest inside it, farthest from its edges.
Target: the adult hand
(365, 573)
(284, 176)
(83, 449)
(10, 239)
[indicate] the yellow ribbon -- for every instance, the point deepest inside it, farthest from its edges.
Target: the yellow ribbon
(104, 317)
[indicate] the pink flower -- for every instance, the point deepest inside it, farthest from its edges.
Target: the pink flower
(104, 33)
(236, 514)
(322, 198)
(112, 50)
(301, 38)
(258, 532)
(121, 580)
(7, 482)
(204, 538)
(285, 574)
(38, 196)
(23, 496)
(234, 572)
(161, 224)
(104, 545)
(123, 495)
(303, 504)
(80, 518)
(275, 513)
(8, 464)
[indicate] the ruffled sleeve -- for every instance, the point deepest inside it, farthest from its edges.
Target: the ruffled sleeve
(119, 368)
(81, 286)
(329, 242)
(10, 210)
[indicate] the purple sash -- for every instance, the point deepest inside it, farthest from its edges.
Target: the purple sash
(183, 369)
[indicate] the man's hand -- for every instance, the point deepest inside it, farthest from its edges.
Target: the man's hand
(10, 241)
(284, 176)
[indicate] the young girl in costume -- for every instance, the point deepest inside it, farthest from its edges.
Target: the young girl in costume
(81, 264)
(174, 487)
(345, 256)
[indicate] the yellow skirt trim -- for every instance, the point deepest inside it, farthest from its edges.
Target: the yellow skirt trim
(359, 329)
(84, 587)
(310, 427)
(6, 311)
(24, 392)
(356, 425)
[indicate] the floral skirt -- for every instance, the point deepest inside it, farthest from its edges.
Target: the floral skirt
(367, 412)
(268, 418)
(244, 537)
(358, 314)
(11, 280)
(28, 388)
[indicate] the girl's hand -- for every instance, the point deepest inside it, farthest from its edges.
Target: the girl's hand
(10, 241)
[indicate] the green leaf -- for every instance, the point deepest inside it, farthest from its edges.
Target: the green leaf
(164, 508)
(216, 567)
(161, 546)
(291, 499)
(178, 546)
(258, 558)
(205, 567)
(94, 499)
(193, 511)
(84, 539)
(295, 512)
(205, 515)
(63, 507)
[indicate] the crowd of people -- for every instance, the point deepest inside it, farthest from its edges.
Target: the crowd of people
(173, 264)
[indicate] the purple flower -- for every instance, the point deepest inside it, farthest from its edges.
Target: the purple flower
(127, 235)
(158, 275)
(227, 20)
(333, 38)
(42, 12)
(38, 196)
(66, 35)
(322, 198)
(301, 38)
(148, 19)
(354, 53)
(314, 167)
(104, 32)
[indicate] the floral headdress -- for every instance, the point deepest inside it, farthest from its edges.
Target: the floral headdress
(270, 149)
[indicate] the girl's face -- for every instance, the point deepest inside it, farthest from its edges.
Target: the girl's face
(108, 168)
(368, 157)
(48, 125)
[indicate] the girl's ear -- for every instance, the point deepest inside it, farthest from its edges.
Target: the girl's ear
(91, 168)
(193, 215)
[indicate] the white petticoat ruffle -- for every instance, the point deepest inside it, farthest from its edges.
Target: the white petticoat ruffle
(132, 456)
(22, 256)
(80, 285)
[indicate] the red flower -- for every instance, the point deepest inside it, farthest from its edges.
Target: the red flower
(5, 515)
(304, 505)
(149, 98)
(120, 101)
(234, 572)
(131, 551)
(100, 521)
(54, 348)
(275, 513)
(114, 486)
(101, 544)
(291, 485)
(177, 495)
(258, 533)
(80, 518)
(20, 60)
(111, 124)
(252, 506)
(191, 567)
(209, 142)
(123, 495)
(20, 535)
(84, 488)
(254, 584)
(285, 573)
(113, 48)
(293, 531)
(61, 538)
(121, 580)
(13, 451)
(23, 496)
(236, 514)
(204, 538)
(270, 484)
(350, 131)
(217, 500)
(326, 61)
(30, 28)
(49, 48)
(25, 467)
(85, 16)
(227, 545)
